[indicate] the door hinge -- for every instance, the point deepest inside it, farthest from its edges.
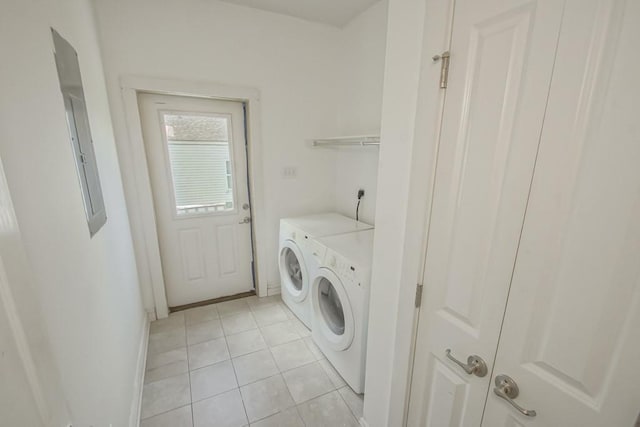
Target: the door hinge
(444, 68)
(418, 301)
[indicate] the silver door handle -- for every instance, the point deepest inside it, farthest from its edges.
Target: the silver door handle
(474, 366)
(245, 220)
(507, 389)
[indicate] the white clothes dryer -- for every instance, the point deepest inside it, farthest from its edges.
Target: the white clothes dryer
(300, 255)
(340, 297)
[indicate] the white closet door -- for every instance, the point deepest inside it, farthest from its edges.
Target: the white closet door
(571, 337)
(502, 55)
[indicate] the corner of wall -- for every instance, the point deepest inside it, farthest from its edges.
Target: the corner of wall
(138, 379)
(394, 263)
(86, 286)
(359, 109)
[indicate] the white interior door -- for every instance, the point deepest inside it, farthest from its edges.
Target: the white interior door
(196, 154)
(571, 337)
(502, 54)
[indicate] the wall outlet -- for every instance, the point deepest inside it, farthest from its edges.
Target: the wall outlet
(360, 194)
(289, 172)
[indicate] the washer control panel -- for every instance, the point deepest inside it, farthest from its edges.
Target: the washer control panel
(347, 271)
(313, 247)
(291, 233)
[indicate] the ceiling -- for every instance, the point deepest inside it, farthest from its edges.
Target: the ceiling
(336, 13)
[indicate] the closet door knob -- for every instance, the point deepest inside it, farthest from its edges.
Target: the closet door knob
(507, 389)
(474, 366)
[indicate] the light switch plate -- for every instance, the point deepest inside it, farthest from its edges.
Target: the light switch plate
(289, 172)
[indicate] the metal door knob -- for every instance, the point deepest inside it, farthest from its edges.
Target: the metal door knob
(507, 389)
(474, 366)
(245, 220)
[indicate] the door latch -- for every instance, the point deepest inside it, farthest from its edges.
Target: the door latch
(444, 68)
(418, 300)
(474, 366)
(507, 389)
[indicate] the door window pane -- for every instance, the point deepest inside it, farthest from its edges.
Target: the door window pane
(199, 147)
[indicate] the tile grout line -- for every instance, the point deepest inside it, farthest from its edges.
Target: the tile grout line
(260, 328)
(165, 412)
(341, 398)
(315, 397)
(171, 376)
(345, 402)
(203, 321)
(334, 386)
(288, 391)
(233, 366)
(304, 423)
(222, 361)
(280, 372)
(189, 372)
(297, 406)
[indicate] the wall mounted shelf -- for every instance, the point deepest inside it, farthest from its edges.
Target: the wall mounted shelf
(347, 141)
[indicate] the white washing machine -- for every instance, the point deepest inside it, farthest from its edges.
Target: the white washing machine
(300, 255)
(340, 297)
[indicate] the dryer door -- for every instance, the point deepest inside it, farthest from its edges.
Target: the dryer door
(332, 310)
(293, 271)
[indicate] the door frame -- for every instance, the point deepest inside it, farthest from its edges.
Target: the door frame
(411, 118)
(137, 184)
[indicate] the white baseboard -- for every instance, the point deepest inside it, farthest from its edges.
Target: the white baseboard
(273, 290)
(138, 381)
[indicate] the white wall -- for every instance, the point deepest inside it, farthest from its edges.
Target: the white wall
(290, 61)
(404, 34)
(360, 109)
(30, 391)
(296, 65)
(412, 98)
(86, 288)
(17, 402)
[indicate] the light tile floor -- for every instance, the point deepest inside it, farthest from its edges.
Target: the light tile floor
(239, 363)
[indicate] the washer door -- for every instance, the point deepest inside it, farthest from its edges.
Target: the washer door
(332, 310)
(293, 271)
